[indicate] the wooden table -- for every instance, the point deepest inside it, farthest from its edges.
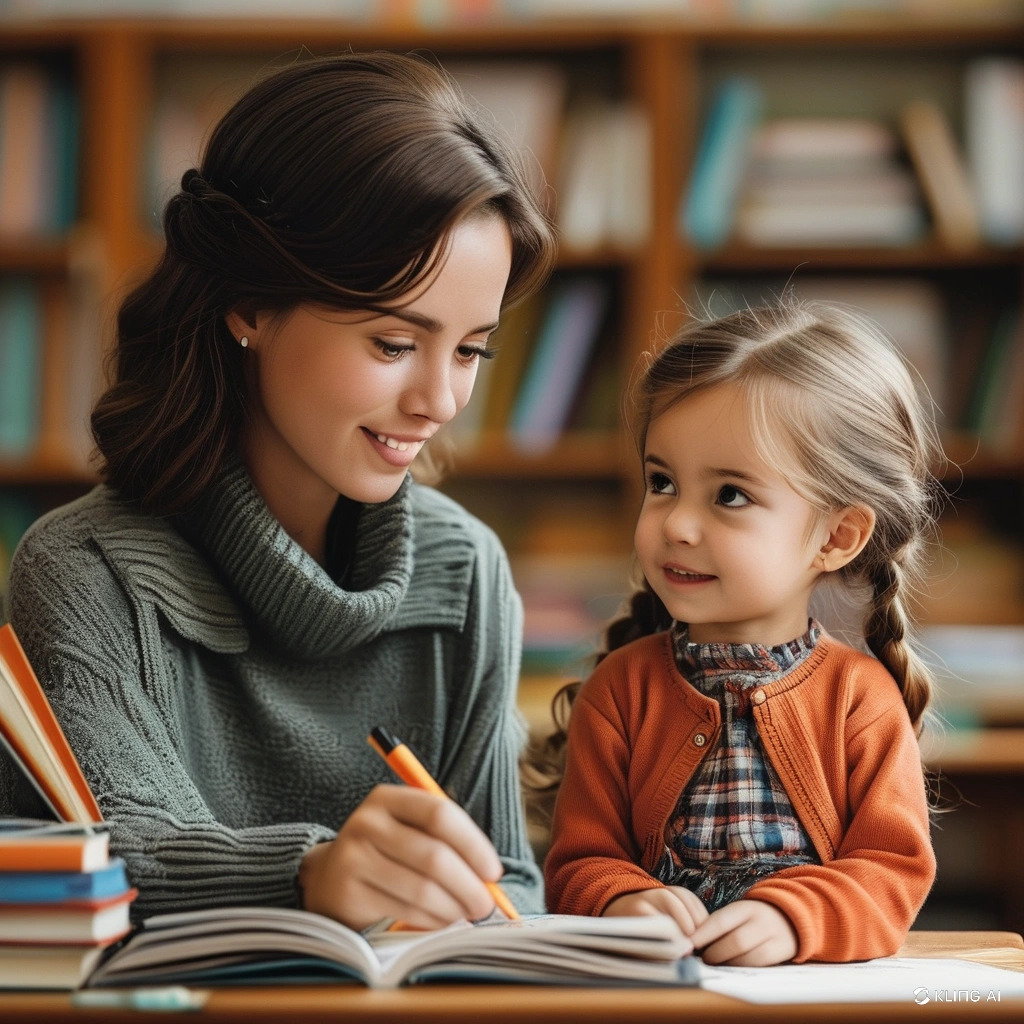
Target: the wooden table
(508, 1004)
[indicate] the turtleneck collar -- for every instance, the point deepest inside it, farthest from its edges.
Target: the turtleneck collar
(708, 666)
(287, 594)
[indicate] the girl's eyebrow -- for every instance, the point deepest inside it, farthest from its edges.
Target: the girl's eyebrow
(429, 324)
(738, 474)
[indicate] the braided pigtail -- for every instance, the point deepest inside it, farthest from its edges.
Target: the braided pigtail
(886, 631)
(543, 762)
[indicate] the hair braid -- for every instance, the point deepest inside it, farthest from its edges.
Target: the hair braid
(885, 631)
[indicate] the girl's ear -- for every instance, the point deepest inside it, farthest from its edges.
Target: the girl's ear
(849, 530)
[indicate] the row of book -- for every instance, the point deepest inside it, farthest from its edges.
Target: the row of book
(50, 367)
(39, 143)
(556, 370)
(594, 150)
(861, 181)
(17, 513)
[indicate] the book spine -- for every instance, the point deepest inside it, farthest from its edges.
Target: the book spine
(994, 110)
(567, 338)
(708, 208)
(20, 367)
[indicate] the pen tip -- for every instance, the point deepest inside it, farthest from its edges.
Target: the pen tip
(383, 740)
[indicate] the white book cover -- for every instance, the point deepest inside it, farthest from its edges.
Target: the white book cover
(994, 129)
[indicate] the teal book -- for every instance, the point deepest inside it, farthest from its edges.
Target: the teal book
(564, 348)
(65, 131)
(61, 886)
(20, 366)
(708, 208)
(994, 365)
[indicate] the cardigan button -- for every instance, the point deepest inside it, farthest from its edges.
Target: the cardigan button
(699, 740)
(758, 697)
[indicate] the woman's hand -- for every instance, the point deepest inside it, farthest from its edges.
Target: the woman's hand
(747, 933)
(406, 854)
(683, 906)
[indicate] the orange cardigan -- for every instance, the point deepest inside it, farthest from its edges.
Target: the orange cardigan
(836, 731)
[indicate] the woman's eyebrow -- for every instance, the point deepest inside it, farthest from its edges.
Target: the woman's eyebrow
(735, 473)
(429, 324)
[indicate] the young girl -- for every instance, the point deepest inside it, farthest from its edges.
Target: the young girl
(728, 762)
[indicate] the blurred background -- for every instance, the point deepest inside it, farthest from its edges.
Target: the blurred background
(699, 155)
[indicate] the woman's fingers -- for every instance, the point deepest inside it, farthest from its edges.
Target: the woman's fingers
(428, 866)
(418, 894)
(445, 820)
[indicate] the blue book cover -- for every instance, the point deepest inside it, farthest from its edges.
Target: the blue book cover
(65, 126)
(567, 337)
(708, 208)
(20, 366)
(58, 886)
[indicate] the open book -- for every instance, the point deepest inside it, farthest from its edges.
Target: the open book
(35, 741)
(268, 944)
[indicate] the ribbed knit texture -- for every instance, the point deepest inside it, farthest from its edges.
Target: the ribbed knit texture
(218, 687)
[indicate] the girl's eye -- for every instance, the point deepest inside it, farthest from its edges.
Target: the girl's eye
(660, 484)
(471, 352)
(732, 497)
(391, 350)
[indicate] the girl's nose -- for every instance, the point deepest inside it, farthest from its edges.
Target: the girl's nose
(682, 525)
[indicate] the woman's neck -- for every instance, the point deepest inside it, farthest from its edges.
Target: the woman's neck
(300, 500)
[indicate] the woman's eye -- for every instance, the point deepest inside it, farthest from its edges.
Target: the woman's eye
(732, 497)
(471, 352)
(391, 350)
(660, 484)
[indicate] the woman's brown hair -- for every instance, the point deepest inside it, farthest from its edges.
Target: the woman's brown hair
(833, 401)
(335, 181)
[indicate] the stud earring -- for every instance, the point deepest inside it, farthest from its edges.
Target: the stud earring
(244, 342)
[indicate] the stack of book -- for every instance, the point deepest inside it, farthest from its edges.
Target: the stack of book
(63, 901)
(829, 182)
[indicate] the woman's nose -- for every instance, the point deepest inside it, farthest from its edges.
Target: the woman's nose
(431, 396)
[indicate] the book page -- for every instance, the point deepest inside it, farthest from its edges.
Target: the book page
(889, 980)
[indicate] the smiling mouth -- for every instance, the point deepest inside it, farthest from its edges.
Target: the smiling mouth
(687, 577)
(396, 445)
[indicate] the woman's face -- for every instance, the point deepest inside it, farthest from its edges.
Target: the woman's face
(348, 399)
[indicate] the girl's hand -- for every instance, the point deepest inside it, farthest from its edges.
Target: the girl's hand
(683, 906)
(406, 854)
(747, 933)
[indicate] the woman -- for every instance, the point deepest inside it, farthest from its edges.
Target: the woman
(259, 582)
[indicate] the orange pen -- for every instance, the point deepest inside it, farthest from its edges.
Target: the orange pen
(407, 767)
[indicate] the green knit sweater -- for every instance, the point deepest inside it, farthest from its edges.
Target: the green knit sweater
(218, 687)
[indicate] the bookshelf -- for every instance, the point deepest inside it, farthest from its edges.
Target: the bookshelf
(579, 498)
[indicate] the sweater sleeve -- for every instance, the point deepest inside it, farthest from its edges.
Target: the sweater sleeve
(485, 731)
(77, 628)
(861, 904)
(593, 857)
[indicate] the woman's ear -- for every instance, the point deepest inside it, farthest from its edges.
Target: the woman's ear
(849, 529)
(242, 326)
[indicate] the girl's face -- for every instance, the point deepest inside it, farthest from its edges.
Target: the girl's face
(724, 541)
(347, 400)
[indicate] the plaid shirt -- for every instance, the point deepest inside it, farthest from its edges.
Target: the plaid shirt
(734, 823)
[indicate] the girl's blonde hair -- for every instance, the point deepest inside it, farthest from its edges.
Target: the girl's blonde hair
(831, 400)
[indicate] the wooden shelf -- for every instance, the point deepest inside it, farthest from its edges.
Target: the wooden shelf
(575, 457)
(976, 751)
(927, 256)
(34, 255)
(45, 470)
